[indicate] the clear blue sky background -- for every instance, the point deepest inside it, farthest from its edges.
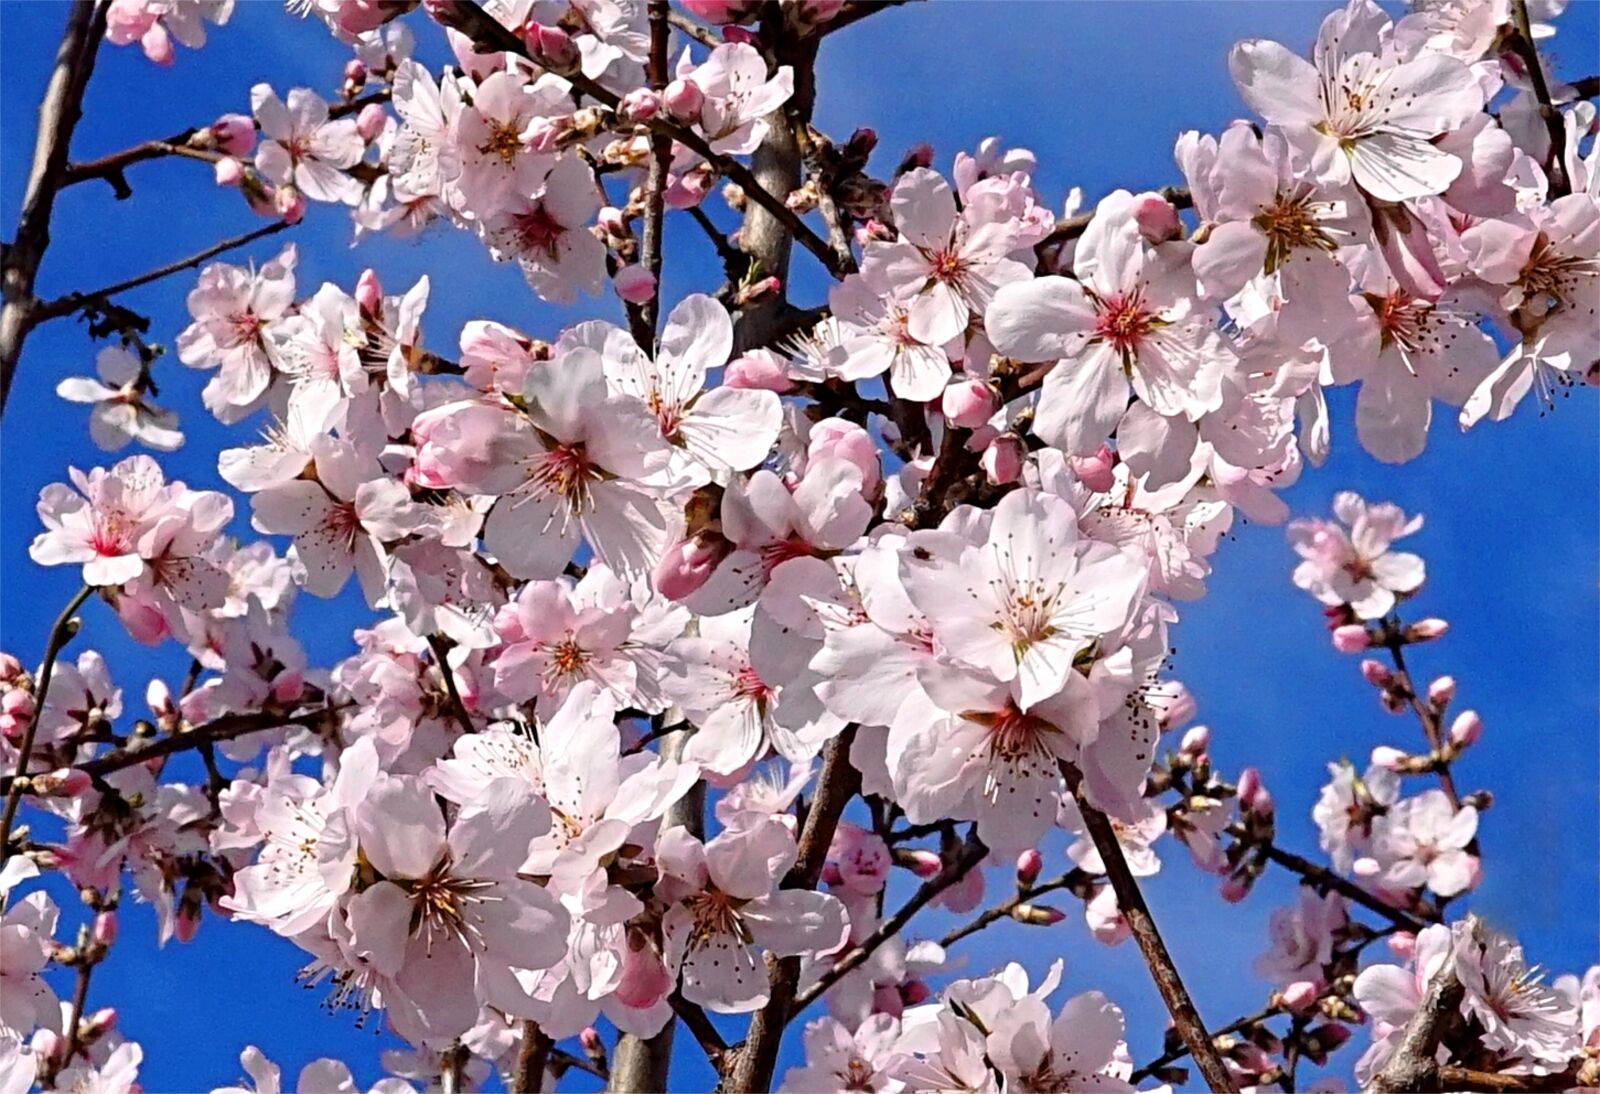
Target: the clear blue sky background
(1099, 91)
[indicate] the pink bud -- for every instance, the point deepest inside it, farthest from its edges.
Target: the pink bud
(289, 204)
(761, 370)
(719, 12)
(644, 978)
(1388, 757)
(552, 47)
(105, 928)
(914, 992)
(234, 134)
(65, 782)
(1249, 786)
(1234, 889)
(1466, 729)
(355, 72)
(635, 284)
(1426, 630)
(369, 123)
(186, 923)
(1403, 944)
(924, 864)
(99, 1023)
(689, 564)
(1195, 741)
(831, 875)
(1002, 461)
(886, 1000)
(846, 440)
(639, 105)
(46, 1043)
(1263, 806)
(10, 667)
(288, 686)
(1301, 995)
(1442, 691)
(733, 35)
(228, 171)
(1330, 1035)
(612, 221)
(918, 155)
(1029, 863)
(1376, 674)
(969, 403)
(1095, 472)
(683, 100)
(369, 293)
(1157, 218)
(1351, 638)
(590, 1040)
(157, 45)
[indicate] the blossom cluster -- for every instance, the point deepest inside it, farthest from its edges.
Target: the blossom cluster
(936, 539)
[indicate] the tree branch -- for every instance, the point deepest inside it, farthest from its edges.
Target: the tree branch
(1322, 878)
(532, 1057)
(645, 318)
(1413, 1067)
(1143, 926)
(1073, 227)
(61, 632)
(71, 302)
(59, 113)
(1522, 42)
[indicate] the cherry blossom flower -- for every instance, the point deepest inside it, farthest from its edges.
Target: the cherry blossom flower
(123, 412)
(1357, 567)
(1074, 1051)
(236, 314)
(1361, 111)
(723, 903)
(1302, 939)
(739, 94)
(543, 228)
(155, 23)
(302, 146)
(838, 1058)
(1423, 841)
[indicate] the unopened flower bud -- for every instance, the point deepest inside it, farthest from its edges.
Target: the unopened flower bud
(99, 1023)
(1002, 461)
(369, 293)
(1234, 888)
(1095, 472)
(721, 12)
(233, 134)
(639, 105)
(157, 45)
(1037, 915)
(1195, 741)
(355, 74)
(1157, 218)
(689, 564)
(737, 35)
(1426, 630)
(1327, 1037)
(1029, 864)
(924, 864)
(1376, 673)
(186, 922)
(635, 284)
(10, 668)
(760, 370)
(289, 204)
(913, 992)
(757, 290)
(370, 122)
(593, 1046)
(1466, 729)
(228, 171)
(105, 928)
(969, 403)
(1441, 692)
(552, 47)
(46, 1043)
(613, 222)
(1351, 638)
(683, 100)
(918, 155)
(1300, 996)
(1403, 944)
(830, 873)
(1262, 805)
(1389, 758)
(1249, 786)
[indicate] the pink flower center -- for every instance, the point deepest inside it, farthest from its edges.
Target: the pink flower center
(747, 685)
(111, 536)
(1124, 322)
(947, 266)
(776, 554)
(565, 470)
(1403, 320)
(537, 231)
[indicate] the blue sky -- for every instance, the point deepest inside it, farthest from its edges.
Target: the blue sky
(1099, 91)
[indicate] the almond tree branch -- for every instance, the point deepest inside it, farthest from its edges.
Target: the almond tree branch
(1523, 43)
(645, 318)
(1394, 641)
(441, 656)
(1142, 924)
(111, 166)
(1320, 877)
(972, 853)
(59, 113)
(71, 302)
(532, 1057)
(1072, 227)
(857, 10)
(61, 632)
(1413, 1067)
(837, 783)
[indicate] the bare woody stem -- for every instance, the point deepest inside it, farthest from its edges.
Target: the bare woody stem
(61, 632)
(837, 783)
(647, 317)
(1185, 1018)
(441, 655)
(1522, 42)
(531, 1060)
(71, 302)
(1413, 1067)
(1322, 878)
(972, 853)
(59, 112)
(1432, 728)
(1005, 908)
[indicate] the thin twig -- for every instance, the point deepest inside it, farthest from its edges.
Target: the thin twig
(698, 31)
(61, 632)
(645, 317)
(59, 112)
(1005, 908)
(441, 655)
(72, 301)
(693, 1016)
(972, 853)
(1522, 42)
(531, 1059)
(1072, 227)
(1130, 901)
(1431, 719)
(857, 10)
(1239, 1025)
